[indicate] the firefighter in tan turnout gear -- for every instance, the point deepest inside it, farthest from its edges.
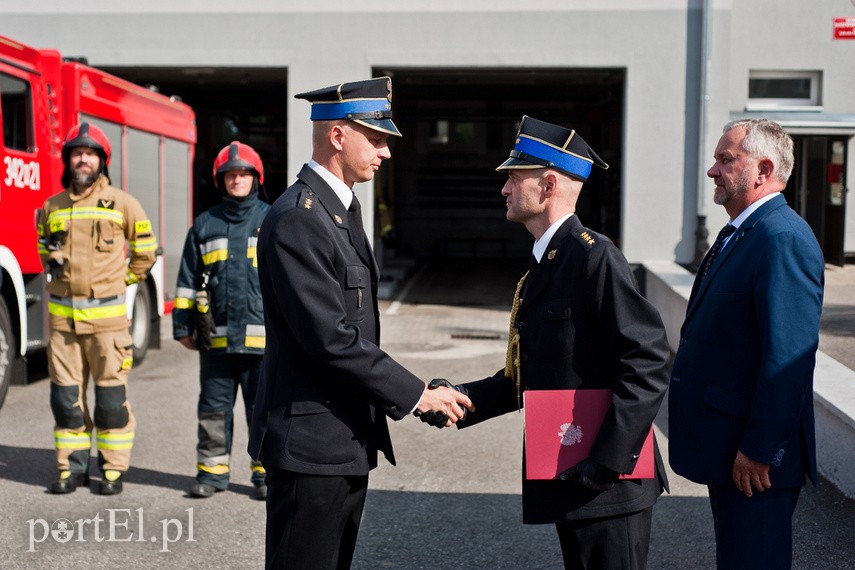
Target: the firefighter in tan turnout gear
(86, 235)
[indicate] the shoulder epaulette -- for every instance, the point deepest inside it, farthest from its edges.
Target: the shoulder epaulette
(306, 199)
(586, 237)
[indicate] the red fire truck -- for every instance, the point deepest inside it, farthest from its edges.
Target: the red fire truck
(153, 138)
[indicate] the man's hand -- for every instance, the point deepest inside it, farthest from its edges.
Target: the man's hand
(749, 474)
(187, 342)
(591, 475)
(443, 404)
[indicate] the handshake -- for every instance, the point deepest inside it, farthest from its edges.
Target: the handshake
(443, 403)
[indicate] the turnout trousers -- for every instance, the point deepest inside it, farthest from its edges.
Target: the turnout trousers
(107, 357)
(220, 376)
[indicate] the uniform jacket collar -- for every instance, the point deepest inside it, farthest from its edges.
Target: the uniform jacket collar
(334, 208)
(539, 275)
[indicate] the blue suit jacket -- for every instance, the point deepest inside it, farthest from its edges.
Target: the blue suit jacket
(743, 375)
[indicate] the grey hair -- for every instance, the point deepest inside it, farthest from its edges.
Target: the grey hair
(767, 139)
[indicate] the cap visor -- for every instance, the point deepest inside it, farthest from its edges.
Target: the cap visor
(517, 163)
(382, 125)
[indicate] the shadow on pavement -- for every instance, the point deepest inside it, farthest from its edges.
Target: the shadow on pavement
(35, 467)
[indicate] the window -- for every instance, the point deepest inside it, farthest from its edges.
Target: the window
(16, 112)
(782, 90)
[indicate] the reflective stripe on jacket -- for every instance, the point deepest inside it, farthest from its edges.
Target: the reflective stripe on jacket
(90, 238)
(222, 242)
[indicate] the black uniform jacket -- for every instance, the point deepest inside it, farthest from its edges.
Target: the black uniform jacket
(584, 324)
(325, 383)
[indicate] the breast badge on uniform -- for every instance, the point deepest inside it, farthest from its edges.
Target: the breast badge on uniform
(551, 254)
(307, 203)
(337, 219)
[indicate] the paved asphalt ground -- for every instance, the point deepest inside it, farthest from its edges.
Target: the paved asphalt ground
(453, 502)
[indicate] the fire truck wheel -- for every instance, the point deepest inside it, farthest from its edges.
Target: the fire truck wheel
(141, 323)
(12, 369)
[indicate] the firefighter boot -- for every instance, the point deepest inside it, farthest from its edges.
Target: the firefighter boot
(259, 491)
(203, 490)
(68, 482)
(111, 483)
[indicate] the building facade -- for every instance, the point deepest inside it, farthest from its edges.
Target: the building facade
(648, 83)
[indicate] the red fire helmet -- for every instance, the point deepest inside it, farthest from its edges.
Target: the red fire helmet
(238, 156)
(88, 135)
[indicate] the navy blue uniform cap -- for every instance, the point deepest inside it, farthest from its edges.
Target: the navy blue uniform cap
(368, 103)
(543, 145)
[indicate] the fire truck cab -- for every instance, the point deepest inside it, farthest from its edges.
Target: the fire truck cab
(153, 139)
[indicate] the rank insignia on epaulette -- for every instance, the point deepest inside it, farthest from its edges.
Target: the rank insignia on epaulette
(337, 219)
(587, 237)
(551, 254)
(307, 203)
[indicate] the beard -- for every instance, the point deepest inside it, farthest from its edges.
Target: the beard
(739, 187)
(83, 179)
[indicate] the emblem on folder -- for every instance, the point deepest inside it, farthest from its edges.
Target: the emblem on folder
(570, 434)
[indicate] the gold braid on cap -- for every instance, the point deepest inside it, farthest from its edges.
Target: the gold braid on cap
(512, 358)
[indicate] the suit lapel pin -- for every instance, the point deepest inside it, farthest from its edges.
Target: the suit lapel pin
(337, 219)
(307, 203)
(551, 254)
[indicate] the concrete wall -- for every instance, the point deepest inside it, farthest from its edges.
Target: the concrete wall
(792, 35)
(656, 41)
(322, 44)
(668, 286)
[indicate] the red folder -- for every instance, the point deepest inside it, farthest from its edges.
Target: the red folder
(560, 428)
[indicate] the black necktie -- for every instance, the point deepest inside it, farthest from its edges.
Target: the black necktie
(725, 232)
(354, 223)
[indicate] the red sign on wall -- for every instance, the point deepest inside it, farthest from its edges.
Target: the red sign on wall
(844, 28)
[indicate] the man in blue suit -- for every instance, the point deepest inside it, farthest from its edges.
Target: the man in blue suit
(741, 400)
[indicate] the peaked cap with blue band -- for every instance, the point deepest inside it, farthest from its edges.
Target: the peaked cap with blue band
(368, 103)
(543, 145)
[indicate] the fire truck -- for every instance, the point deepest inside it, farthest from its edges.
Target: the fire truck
(153, 138)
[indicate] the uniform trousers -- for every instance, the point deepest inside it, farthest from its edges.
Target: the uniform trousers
(312, 521)
(107, 357)
(613, 543)
(220, 375)
(753, 532)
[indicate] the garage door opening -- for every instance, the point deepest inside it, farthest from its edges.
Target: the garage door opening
(246, 104)
(439, 196)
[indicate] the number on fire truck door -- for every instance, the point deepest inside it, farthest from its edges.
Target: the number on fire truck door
(21, 174)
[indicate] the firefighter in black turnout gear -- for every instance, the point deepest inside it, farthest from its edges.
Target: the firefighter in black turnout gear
(218, 311)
